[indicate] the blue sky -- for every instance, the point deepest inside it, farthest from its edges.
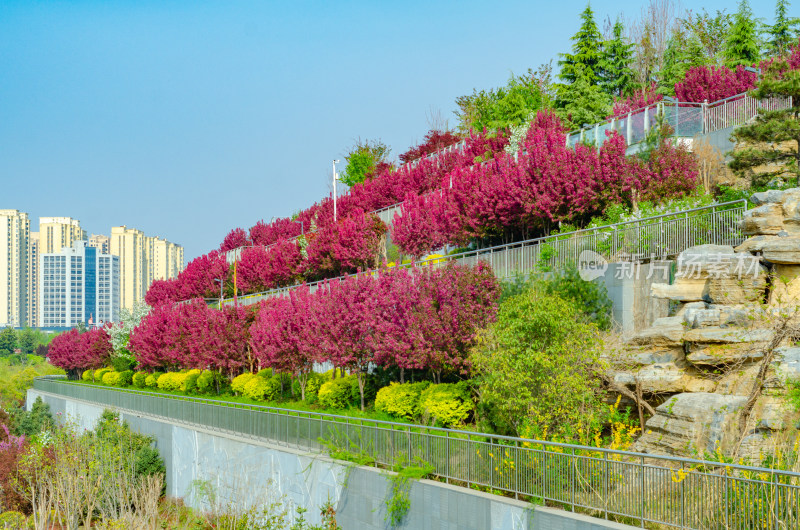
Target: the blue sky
(186, 119)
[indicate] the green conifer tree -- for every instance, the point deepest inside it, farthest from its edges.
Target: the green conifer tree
(774, 136)
(586, 58)
(616, 75)
(742, 42)
(784, 32)
(684, 51)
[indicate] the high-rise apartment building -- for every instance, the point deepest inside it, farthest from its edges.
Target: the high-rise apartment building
(167, 259)
(101, 243)
(78, 285)
(56, 233)
(33, 279)
(14, 233)
(139, 264)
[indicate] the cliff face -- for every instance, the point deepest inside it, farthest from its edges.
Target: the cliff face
(718, 369)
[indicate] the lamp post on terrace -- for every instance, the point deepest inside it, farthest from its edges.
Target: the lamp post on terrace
(335, 178)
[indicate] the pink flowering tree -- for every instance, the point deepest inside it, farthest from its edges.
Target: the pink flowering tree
(283, 335)
(198, 279)
(351, 244)
(641, 98)
(351, 307)
(455, 302)
(713, 83)
(163, 291)
(75, 352)
(236, 238)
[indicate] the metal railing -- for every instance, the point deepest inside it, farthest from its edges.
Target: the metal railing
(660, 236)
(630, 487)
(687, 119)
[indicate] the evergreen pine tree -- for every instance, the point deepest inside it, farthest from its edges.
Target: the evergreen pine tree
(682, 53)
(582, 102)
(587, 52)
(742, 43)
(785, 30)
(774, 136)
(616, 75)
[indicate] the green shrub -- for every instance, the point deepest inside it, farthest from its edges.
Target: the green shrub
(189, 383)
(38, 419)
(152, 379)
(98, 374)
(111, 378)
(401, 400)
(337, 393)
(262, 389)
(125, 378)
(88, 375)
(448, 404)
(207, 381)
(13, 520)
(313, 383)
(238, 383)
(266, 373)
(140, 379)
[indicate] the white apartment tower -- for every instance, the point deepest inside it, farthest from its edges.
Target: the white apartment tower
(14, 270)
(78, 285)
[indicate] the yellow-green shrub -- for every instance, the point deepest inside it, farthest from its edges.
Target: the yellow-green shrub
(337, 393)
(262, 389)
(448, 403)
(171, 381)
(140, 379)
(152, 379)
(99, 373)
(88, 375)
(238, 383)
(111, 378)
(14, 520)
(400, 400)
(189, 383)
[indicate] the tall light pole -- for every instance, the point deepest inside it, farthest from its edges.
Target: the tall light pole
(334, 189)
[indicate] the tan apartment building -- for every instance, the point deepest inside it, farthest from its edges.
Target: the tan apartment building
(14, 270)
(57, 233)
(33, 279)
(167, 259)
(100, 242)
(142, 259)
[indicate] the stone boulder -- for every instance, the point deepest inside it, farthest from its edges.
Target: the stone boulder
(691, 423)
(767, 197)
(727, 335)
(785, 285)
(763, 220)
(719, 355)
(665, 332)
(669, 377)
(783, 250)
(683, 290)
(755, 243)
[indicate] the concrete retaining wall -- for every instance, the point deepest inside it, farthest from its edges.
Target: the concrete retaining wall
(629, 290)
(248, 472)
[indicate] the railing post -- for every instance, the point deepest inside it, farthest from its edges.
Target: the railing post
(704, 108)
(628, 130)
(647, 119)
(597, 135)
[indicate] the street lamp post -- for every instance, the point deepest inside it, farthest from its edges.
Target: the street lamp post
(334, 189)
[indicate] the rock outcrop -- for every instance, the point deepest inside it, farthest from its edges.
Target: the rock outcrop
(702, 364)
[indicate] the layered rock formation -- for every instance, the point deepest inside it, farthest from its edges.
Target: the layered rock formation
(701, 365)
